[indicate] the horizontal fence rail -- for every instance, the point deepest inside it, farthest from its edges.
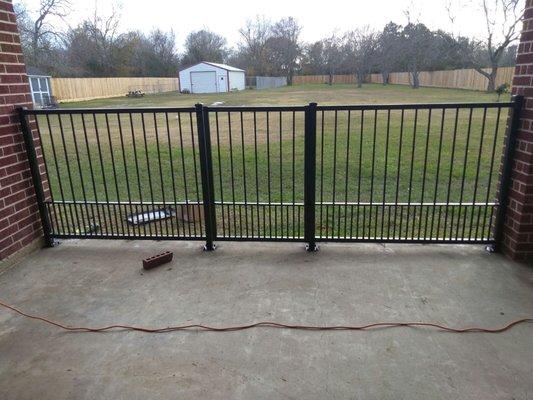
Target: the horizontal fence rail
(428, 173)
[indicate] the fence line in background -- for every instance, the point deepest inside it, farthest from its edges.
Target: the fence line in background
(269, 82)
(265, 82)
(77, 89)
(452, 79)
(307, 79)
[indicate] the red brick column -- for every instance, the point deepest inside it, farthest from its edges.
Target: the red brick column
(518, 228)
(19, 218)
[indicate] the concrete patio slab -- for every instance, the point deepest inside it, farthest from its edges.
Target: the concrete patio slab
(101, 282)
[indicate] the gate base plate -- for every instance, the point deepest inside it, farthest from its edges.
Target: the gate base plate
(311, 248)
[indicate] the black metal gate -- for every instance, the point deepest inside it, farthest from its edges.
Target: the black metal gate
(428, 173)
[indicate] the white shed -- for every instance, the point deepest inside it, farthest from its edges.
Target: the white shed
(208, 77)
(41, 90)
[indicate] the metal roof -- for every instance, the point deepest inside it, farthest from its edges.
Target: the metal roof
(32, 71)
(223, 66)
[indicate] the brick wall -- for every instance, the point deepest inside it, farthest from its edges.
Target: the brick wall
(19, 218)
(518, 229)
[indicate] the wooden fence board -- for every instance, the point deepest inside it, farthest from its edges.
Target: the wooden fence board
(77, 89)
(453, 79)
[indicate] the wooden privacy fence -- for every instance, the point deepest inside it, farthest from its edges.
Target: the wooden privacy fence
(76, 89)
(453, 79)
(457, 78)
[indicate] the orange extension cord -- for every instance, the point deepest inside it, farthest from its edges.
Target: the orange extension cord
(267, 324)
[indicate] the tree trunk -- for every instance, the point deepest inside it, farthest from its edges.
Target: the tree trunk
(491, 77)
(289, 78)
(330, 81)
(360, 79)
(491, 84)
(415, 80)
(385, 78)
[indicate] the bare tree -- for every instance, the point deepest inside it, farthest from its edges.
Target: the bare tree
(360, 51)
(332, 56)
(503, 16)
(91, 47)
(254, 45)
(313, 62)
(153, 55)
(388, 51)
(418, 50)
(502, 24)
(204, 45)
(284, 46)
(36, 30)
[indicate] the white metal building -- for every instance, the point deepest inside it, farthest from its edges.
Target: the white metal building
(208, 77)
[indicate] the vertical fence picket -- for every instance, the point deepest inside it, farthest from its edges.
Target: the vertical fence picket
(310, 176)
(206, 171)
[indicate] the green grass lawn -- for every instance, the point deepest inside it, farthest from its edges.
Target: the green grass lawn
(361, 158)
(298, 95)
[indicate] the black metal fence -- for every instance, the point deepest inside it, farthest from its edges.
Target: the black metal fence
(428, 173)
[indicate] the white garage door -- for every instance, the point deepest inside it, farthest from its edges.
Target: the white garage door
(204, 82)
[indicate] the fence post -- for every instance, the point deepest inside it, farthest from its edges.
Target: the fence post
(507, 167)
(206, 170)
(35, 175)
(310, 177)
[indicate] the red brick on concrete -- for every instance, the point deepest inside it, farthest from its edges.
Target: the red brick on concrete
(518, 227)
(19, 216)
